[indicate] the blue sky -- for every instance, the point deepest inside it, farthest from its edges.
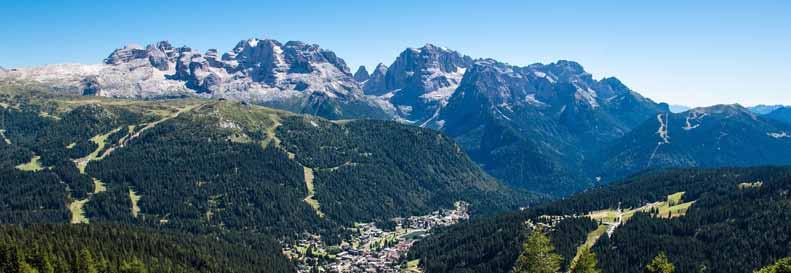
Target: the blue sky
(700, 53)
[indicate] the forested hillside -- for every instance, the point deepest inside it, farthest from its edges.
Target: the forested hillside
(215, 166)
(120, 249)
(738, 221)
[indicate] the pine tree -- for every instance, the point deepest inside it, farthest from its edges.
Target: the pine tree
(11, 260)
(586, 263)
(660, 264)
(26, 268)
(103, 265)
(42, 261)
(538, 255)
(309, 252)
(61, 265)
(85, 262)
(133, 266)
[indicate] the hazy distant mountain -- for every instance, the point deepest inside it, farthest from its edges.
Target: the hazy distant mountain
(676, 108)
(782, 114)
(702, 137)
(764, 109)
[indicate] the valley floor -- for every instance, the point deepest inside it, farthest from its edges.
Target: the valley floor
(372, 249)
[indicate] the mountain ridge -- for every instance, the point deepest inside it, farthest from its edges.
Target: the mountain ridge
(544, 127)
(701, 137)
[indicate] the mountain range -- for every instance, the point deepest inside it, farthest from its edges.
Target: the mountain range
(782, 114)
(549, 128)
(274, 157)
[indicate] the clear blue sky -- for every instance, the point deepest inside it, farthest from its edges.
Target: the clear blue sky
(680, 52)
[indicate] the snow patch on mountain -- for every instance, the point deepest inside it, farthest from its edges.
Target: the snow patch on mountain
(531, 99)
(693, 120)
(779, 135)
(663, 135)
(662, 131)
(253, 42)
(586, 95)
(438, 92)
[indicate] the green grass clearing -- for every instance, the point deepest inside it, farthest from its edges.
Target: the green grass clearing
(78, 212)
(593, 236)
(100, 142)
(672, 207)
(33, 166)
(48, 115)
(311, 192)
(608, 215)
(134, 198)
(412, 266)
(675, 211)
(98, 186)
(675, 199)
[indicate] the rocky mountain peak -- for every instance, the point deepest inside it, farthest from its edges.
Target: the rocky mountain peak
(380, 69)
(431, 56)
(362, 74)
(291, 57)
(563, 71)
(375, 85)
(160, 55)
(419, 81)
(126, 54)
(264, 71)
(571, 66)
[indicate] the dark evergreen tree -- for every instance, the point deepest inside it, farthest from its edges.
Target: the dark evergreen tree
(538, 255)
(660, 264)
(586, 263)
